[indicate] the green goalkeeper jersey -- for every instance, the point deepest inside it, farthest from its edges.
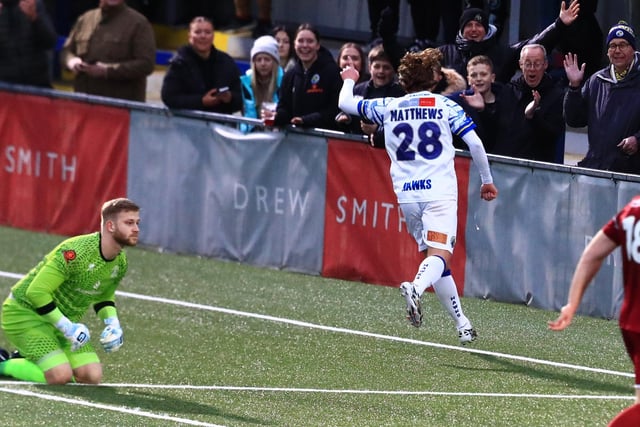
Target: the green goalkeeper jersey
(74, 276)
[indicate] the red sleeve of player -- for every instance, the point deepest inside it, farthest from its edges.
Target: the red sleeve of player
(624, 224)
(613, 230)
(624, 229)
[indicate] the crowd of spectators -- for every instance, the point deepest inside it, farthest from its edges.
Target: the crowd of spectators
(381, 83)
(519, 101)
(520, 95)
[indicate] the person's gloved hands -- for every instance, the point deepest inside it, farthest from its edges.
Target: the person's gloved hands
(111, 337)
(77, 333)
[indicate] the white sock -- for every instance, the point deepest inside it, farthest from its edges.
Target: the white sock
(445, 289)
(430, 270)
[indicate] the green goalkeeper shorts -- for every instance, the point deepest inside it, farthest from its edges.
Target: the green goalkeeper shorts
(39, 341)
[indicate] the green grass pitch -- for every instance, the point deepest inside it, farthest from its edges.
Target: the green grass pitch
(210, 342)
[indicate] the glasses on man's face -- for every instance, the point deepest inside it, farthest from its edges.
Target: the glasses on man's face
(622, 46)
(532, 65)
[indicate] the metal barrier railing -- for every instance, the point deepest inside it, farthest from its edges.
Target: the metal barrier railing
(237, 120)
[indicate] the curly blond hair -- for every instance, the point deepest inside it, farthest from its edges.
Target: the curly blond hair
(420, 71)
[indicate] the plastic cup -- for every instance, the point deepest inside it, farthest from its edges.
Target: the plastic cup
(268, 113)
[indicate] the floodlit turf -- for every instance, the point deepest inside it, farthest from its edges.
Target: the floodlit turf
(210, 342)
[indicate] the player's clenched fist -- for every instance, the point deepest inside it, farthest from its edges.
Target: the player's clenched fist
(488, 192)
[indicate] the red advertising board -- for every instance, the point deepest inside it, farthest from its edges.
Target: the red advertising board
(60, 160)
(366, 238)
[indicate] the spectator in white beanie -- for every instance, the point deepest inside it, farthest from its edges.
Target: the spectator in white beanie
(261, 82)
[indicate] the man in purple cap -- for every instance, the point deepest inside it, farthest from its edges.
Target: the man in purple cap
(608, 104)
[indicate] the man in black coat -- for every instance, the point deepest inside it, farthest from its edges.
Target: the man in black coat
(26, 37)
(529, 114)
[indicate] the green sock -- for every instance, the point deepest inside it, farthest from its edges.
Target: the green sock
(22, 369)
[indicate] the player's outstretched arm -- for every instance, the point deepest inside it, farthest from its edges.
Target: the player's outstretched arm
(346, 101)
(564, 319)
(488, 190)
(589, 264)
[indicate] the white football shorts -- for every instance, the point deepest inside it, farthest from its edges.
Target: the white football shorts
(432, 224)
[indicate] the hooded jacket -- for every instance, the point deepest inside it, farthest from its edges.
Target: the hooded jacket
(311, 94)
(611, 110)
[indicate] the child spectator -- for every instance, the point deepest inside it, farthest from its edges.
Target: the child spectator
(480, 102)
(382, 84)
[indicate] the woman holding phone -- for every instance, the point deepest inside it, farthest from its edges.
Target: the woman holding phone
(200, 77)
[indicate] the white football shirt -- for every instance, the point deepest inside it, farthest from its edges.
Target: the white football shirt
(418, 130)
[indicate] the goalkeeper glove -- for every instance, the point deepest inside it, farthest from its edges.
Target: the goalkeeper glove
(76, 333)
(111, 337)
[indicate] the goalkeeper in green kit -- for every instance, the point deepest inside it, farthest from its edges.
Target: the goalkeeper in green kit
(42, 313)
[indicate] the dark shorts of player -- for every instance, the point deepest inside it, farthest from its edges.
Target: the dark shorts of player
(632, 343)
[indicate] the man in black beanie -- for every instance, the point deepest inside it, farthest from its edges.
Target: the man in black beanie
(479, 37)
(475, 15)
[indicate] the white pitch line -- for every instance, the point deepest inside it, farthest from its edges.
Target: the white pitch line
(333, 391)
(11, 275)
(106, 407)
(363, 333)
(369, 334)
